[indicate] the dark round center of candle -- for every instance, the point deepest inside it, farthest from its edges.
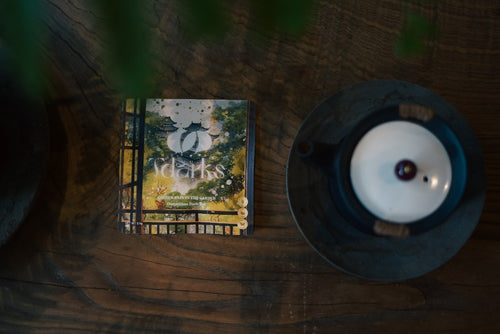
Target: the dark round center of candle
(405, 170)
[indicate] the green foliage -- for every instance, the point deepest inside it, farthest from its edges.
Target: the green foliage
(289, 16)
(412, 40)
(128, 45)
(211, 18)
(128, 42)
(206, 17)
(21, 32)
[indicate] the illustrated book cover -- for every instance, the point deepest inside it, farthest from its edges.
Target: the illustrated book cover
(187, 166)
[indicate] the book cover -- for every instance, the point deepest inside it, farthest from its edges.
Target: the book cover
(187, 166)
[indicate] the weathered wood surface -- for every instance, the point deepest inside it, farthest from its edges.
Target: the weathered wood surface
(69, 270)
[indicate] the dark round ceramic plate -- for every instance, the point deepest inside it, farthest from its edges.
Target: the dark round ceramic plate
(24, 141)
(338, 241)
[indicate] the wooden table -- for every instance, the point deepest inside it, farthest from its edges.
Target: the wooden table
(69, 270)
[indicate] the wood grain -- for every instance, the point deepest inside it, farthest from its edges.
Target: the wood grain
(68, 269)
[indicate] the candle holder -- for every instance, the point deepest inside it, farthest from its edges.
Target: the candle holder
(386, 180)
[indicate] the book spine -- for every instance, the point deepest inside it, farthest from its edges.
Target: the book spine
(140, 165)
(250, 166)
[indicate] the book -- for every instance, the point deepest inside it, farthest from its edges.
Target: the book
(187, 166)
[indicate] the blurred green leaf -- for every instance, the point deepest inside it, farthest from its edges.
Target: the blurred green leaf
(128, 41)
(206, 18)
(128, 44)
(21, 33)
(416, 31)
(289, 16)
(210, 18)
